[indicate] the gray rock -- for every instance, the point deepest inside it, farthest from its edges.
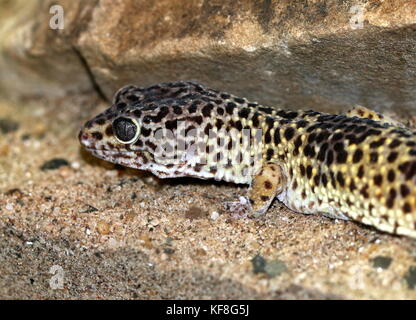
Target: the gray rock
(325, 55)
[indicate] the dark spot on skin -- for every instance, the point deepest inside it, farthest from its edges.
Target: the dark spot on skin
(342, 156)
(303, 194)
(309, 151)
(395, 143)
(132, 98)
(219, 123)
(360, 129)
(302, 124)
(267, 137)
(220, 111)
(378, 143)
(295, 185)
(270, 153)
(276, 137)
(171, 125)
(109, 131)
(145, 132)
(360, 173)
(324, 179)
(121, 106)
(287, 114)
(255, 119)
(378, 180)
(192, 108)
(177, 110)
(270, 122)
(317, 179)
(289, 133)
(302, 170)
(239, 100)
(151, 145)
(340, 179)
(358, 155)
(137, 113)
(147, 119)
(352, 186)
(373, 157)
(266, 110)
(264, 198)
(139, 143)
(238, 125)
(391, 175)
(206, 110)
(311, 137)
(392, 156)
(100, 121)
(364, 191)
(408, 168)
(404, 190)
(213, 169)
(322, 136)
(88, 124)
(329, 157)
(322, 151)
(197, 119)
(97, 135)
(268, 184)
(189, 129)
(230, 107)
(243, 113)
(309, 171)
(337, 136)
(407, 208)
(225, 96)
(207, 129)
(297, 144)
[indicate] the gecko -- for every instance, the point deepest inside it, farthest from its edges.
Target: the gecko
(359, 165)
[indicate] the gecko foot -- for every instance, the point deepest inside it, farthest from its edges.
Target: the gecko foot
(238, 209)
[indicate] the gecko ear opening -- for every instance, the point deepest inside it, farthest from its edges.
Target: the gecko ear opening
(126, 130)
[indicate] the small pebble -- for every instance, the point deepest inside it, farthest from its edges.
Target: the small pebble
(54, 164)
(87, 209)
(259, 264)
(75, 165)
(103, 227)
(214, 215)
(381, 262)
(410, 277)
(270, 268)
(168, 251)
(275, 268)
(8, 125)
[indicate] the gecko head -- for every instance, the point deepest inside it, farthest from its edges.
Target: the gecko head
(142, 125)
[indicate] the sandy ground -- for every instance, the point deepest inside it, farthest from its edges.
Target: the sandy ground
(79, 228)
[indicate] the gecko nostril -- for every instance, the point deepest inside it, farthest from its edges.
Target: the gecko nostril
(83, 137)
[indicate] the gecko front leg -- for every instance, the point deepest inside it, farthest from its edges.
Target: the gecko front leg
(265, 186)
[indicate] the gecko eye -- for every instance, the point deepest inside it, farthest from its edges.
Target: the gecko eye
(126, 130)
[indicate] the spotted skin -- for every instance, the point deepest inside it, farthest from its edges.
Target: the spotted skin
(359, 165)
